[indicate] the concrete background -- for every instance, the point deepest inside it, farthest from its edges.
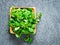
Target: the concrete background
(48, 30)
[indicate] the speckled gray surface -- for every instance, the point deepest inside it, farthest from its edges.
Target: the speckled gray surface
(48, 30)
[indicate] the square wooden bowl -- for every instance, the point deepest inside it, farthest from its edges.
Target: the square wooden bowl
(33, 9)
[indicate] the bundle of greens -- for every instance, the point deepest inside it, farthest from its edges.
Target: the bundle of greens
(23, 21)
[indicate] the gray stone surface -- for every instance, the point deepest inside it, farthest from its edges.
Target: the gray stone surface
(48, 30)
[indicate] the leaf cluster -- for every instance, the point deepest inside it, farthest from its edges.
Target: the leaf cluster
(23, 21)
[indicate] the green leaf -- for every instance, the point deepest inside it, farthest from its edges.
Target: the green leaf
(16, 23)
(39, 17)
(34, 25)
(31, 30)
(30, 20)
(25, 32)
(22, 24)
(18, 36)
(28, 39)
(10, 24)
(30, 9)
(16, 28)
(29, 24)
(11, 19)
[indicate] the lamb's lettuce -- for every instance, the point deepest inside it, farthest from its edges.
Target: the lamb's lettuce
(23, 21)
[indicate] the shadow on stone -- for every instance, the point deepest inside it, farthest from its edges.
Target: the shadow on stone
(20, 41)
(15, 40)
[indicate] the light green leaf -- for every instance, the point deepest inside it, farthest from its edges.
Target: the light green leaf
(16, 28)
(31, 30)
(17, 35)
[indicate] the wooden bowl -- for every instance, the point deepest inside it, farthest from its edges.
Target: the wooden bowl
(33, 9)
